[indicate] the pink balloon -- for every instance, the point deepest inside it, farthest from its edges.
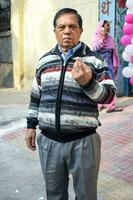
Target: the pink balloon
(131, 80)
(128, 29)
(129, 18)
(126, 39)
(131, 59)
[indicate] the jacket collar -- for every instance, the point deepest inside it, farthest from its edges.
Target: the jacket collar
(82, 51)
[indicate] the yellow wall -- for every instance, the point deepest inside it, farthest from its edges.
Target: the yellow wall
(33, 31)
(17, 42)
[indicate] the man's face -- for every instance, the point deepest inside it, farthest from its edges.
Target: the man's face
(67, 31)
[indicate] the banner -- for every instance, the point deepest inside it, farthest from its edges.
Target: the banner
(107, 12)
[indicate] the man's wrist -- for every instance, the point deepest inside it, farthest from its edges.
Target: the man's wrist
(89, 83)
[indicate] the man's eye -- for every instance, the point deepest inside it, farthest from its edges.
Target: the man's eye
(72, 27)
(61, 27)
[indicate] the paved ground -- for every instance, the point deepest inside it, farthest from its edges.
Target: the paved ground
(116, 172)
(21, 177)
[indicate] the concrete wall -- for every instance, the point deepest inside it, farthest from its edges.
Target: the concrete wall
(6, 75)
(6, 67)
(32, 31)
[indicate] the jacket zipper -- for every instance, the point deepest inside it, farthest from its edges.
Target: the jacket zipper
(58, 101)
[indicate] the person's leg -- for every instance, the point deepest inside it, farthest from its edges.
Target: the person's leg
(54, 169)
(112, 104)
(84, 167)
(111, 107)
(101, 107)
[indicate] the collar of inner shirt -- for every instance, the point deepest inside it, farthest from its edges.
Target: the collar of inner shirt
(70, 52)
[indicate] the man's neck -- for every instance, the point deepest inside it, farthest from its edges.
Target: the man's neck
(65, 50)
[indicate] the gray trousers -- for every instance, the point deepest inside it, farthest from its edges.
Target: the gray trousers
(81, 158)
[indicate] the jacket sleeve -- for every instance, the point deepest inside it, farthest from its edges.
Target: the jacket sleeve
(32, 118)
(101, 88)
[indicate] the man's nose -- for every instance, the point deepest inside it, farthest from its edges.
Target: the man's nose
(67, 29)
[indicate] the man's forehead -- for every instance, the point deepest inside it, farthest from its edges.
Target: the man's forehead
(66, 17)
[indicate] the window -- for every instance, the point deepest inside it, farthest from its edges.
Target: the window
(5, 15)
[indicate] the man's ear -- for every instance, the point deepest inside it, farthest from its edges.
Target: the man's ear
(81, 30)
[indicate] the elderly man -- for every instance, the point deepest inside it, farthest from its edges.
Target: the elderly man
(70, 81)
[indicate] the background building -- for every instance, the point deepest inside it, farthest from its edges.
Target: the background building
(26, 32)
(6, 66)
(32, 32)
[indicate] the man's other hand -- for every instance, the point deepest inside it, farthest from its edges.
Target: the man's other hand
(30, 139)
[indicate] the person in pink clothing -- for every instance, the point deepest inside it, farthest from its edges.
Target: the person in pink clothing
(104, 44)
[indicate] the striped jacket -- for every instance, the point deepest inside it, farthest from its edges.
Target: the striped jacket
(65, 110)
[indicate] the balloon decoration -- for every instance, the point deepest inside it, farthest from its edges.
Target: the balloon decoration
(127, 42)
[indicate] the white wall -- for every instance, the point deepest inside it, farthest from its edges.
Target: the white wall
(38, 26)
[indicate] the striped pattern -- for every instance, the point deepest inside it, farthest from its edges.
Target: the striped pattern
(59, 103)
